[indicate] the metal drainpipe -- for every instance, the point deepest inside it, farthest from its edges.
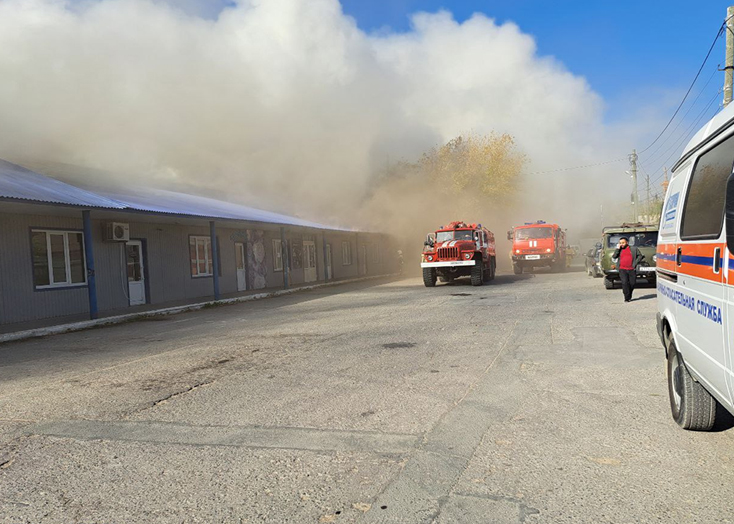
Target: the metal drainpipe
(284, 257)
(356, 241)
(89, 257)
(215, 258)
(326, 269)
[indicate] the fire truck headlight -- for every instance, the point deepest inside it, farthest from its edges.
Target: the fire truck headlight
(467, 256)
(517, 251)
(548, 250)
(430, 257)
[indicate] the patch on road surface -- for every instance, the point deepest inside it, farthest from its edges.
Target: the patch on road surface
(307, 439)
(399, 345)
(460, 294)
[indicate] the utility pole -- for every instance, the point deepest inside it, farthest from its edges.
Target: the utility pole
(649, 202)
(633, 163)
(729, 65)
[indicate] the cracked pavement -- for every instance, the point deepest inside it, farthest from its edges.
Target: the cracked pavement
(537, 398)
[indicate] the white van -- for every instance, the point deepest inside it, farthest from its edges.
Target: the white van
(695, 287)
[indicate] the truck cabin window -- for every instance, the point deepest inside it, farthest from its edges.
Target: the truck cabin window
(645, 239)
(443, 236)
(534, 233)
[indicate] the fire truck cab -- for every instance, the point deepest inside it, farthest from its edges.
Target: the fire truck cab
(457, 250)
(538, 244)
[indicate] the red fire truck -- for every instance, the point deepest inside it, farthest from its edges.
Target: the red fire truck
(537, 244)
(458, 250)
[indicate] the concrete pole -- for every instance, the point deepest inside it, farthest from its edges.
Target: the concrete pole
(633, 163)
(729, 63)
(649, 203)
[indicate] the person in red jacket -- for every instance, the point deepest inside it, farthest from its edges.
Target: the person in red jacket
(629, 258)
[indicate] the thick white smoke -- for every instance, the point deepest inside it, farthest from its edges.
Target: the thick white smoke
(283, 103)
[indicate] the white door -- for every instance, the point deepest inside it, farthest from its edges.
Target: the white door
(309, 261)
(135, 272)
(329, 276)
(239, 250)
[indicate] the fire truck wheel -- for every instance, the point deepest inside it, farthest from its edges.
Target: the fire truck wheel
(489, 275)
(477, 272)
(691, 405)
(608, 283)
(517, 269)
(429, 276)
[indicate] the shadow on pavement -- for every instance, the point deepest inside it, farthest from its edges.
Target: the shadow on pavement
(724, 420)
(645, 297)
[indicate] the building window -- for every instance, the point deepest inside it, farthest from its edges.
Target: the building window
(346, 254)
(703, 214)
(58, 258)
(277, 255)
(200, 251)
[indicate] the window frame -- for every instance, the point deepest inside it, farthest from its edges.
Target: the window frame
(67, 259)
(346, 261)
(208, 252)
(712, 236)
(277, 242)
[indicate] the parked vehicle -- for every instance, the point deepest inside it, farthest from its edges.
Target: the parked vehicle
(538, 244)
(593, 261)
(458, 250)
(645, 237)
(695, 281)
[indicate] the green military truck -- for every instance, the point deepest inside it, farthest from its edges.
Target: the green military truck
(645, 237)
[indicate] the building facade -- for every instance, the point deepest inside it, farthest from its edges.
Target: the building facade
(66, 253)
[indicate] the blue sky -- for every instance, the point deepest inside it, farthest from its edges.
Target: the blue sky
(626, 49)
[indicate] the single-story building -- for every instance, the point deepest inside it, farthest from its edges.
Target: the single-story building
(67, 252)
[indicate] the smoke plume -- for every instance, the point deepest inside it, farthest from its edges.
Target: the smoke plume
(288, 105)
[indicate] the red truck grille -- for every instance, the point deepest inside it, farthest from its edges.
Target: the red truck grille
(448, 253)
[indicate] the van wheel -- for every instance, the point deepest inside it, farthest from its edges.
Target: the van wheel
(608, 283)
(429, 276)
(477, 273)
(691, 405)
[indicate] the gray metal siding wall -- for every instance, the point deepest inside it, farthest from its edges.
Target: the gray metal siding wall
(340, 271)
(21, 302)
(110, 261)
(167, 265)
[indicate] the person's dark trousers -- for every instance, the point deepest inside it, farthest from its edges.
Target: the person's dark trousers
(628, 278)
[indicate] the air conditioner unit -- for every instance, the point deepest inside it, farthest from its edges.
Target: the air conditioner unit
(117, 232)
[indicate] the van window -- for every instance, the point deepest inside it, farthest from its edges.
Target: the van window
(703, 213)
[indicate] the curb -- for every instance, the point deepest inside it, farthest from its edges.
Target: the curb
(119, 319)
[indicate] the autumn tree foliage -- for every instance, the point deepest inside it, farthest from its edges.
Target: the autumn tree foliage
(472, 177)
(475, 168)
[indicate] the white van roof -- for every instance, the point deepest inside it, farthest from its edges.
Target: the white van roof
(721, 121)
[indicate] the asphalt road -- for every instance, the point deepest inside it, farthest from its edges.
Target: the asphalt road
(537, 398)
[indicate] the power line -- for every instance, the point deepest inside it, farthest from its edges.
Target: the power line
(579, 167)
(687, 133)
(718, 34)
(683, 118)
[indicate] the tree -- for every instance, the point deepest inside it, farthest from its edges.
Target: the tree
(474, 167)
